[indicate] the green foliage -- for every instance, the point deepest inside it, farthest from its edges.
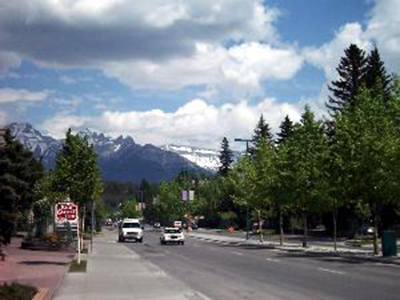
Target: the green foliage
(309, 148)
(17, 291)
(376, 74)
(76, 172)
(129, 209)
(367, 142)
(262, 133)
(286, 130)
(169, 206)
(19, 172)
(351, 71)
(225, 157)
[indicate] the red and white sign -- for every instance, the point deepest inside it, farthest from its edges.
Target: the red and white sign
(66, 212)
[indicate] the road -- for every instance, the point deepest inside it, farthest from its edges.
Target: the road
(253, 272)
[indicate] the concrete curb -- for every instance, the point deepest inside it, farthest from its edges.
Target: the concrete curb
(357, 255)
(41, 294)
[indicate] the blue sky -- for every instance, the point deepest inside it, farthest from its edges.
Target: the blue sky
(172, 71)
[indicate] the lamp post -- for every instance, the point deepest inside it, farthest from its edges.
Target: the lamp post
(247, 141)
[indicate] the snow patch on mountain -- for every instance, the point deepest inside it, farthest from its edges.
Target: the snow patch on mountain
(205, 158)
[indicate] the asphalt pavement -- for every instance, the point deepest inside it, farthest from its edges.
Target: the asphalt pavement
(228, 271)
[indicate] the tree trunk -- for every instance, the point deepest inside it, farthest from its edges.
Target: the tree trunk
(375, 221)
(305, 237)
(281, 233)
(260, 226)
(334, 230)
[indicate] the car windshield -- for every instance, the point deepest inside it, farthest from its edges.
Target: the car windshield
(131, 225)
(172, 231)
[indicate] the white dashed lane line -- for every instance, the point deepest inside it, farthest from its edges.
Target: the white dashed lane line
(237, 253)
(272, 259)
(331, 271)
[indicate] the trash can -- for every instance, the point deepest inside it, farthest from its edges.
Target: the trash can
(389, 244)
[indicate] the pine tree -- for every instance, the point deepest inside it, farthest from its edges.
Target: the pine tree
(352, 74)
(19, 171)
(286, 130)
(261, 132)
(376, 75)
(225, 157)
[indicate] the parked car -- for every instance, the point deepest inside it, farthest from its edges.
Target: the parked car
(130, 229)
(172, 235)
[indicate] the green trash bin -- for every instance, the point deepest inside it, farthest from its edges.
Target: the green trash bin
(389, 244)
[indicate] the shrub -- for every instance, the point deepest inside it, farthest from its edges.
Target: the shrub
(16, 291)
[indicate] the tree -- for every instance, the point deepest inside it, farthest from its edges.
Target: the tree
(261, 132)
(284, 191)
(309, 146)
(76, 173)
(352, 72)
(286, 130)
(225, 157)
(129, 208)
(376, 74)
(368, 142)
(19, 171)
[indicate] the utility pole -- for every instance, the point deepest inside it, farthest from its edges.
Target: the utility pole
(247, 141)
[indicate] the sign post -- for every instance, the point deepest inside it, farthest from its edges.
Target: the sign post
(67, 216)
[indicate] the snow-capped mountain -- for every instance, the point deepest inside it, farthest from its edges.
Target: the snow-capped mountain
(119, 159)
(205, 158)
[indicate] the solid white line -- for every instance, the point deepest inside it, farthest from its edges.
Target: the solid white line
(272, 259)
(236, 253)
(331, 271)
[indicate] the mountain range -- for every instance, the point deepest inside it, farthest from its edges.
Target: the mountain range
(121, 159)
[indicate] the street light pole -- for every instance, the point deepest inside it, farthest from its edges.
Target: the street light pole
(247, 141)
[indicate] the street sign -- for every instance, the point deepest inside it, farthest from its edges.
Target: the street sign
(66, 212)
(185, 196)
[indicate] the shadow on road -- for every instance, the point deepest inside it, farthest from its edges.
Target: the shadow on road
(42, 262)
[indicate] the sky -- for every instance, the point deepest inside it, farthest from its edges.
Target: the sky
(186, 72)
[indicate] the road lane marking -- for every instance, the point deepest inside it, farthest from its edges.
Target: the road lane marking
(331, 271)
(236, 253)
(272, 259)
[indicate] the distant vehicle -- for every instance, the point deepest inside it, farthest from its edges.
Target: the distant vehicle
(130, 229)
(178, 224)
(172, 235)
(156, 225)
(109, 222)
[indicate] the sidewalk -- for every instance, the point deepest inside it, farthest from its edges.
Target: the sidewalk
(115, 272)
(220, 238)
(42, 269)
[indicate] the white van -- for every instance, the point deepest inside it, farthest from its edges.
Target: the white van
(130, 229)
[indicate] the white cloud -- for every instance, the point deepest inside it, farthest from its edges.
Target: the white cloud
(3, 118)
(58, 125)
(327, 57)
(162, 44)
(241, 68)
(196, 123)
(384, 28)
(8, 95)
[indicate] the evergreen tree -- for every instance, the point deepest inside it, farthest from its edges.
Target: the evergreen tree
(261, 132)
(286, 130)
(352, 72)
(19, 171)
(225, 157)
(376, 75)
